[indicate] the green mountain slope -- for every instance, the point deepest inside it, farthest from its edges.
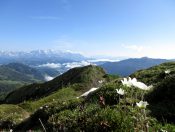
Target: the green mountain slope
(25, 70)
(80, 78)
(15, 75)
(155, 74)
(19, 72)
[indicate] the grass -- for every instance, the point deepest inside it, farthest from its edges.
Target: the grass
(154, 74)
(117, 114)
(83, 77)
(11, 115)
(60, 95)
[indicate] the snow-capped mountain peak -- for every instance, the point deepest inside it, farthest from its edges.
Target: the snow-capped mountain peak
(41, 56)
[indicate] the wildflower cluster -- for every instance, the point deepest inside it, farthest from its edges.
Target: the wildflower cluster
(133, 82)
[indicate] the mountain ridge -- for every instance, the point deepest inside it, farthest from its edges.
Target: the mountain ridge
(129, 66)
(81, 78)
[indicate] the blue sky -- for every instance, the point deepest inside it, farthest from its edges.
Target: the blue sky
(133, 28)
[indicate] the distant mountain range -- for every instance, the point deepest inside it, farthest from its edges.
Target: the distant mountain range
(50, 62)
(129, 66)
(38, 57)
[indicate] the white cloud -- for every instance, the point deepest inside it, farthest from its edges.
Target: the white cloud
(133, 47)
(76, 64)
(66, 65)
(154, 49)
(51, 65)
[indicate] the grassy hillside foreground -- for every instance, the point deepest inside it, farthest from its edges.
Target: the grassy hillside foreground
(106, 109)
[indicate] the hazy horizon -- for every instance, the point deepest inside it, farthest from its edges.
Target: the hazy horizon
(92, 27)
(88, 57)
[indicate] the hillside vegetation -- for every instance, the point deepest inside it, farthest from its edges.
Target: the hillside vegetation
(161, 99)
(155, 74)
(11, 115)
(79, 78)
(19, 72)
(15, 75)
(114, 106)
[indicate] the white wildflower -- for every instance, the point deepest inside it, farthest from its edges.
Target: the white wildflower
(133, 82)
(47, 106)
(126, 82)
(142, 86)
(120, 91)
(167, 72)
(163, 130)
(142, 104)
(101, 81)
